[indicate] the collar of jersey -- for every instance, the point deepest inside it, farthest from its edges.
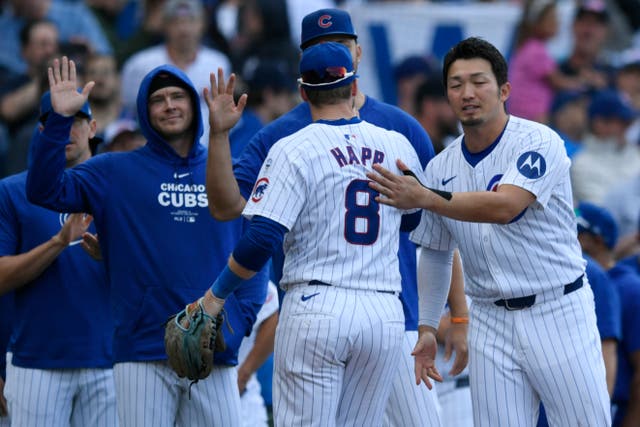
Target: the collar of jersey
(474, 158)
(340, 122)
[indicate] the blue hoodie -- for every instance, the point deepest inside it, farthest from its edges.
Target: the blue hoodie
(161, 247)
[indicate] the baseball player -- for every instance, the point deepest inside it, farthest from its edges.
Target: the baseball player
(254, 350)
(59, 372)
(501, 194)
(159, 243)
(230, 188)
(341, 324)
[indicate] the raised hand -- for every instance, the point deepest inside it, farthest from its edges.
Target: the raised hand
(63, 85)
(224, 113)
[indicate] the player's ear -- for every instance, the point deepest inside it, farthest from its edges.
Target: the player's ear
(93, 128)
(354, 87)
(303, 94)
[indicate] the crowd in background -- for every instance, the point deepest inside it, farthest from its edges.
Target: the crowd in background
(590, 96)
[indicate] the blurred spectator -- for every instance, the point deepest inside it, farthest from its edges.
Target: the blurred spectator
(74, 21)
(272, 92)
(149, 32)
(433, 112)
(263, 35)
(410, 73)
(623, 201)
(20, 95)
(586, 59)
(606, 157)
(533, 72)
(628, 82)
(104, 98)
(184, 26)
(122, 135)
(119, 20)
(597, 233)
(569, 119)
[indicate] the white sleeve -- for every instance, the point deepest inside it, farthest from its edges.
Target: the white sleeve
(434, 280)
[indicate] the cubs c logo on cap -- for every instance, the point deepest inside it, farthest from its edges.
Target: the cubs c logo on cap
(325, 21)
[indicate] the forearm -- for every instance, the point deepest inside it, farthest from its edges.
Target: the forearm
(434, 279)
(48, 162)
(21, 101)
(19, 270)
(632, 417)
(456, 299)
(610, 356)
(482, 206)
(262, 347)
(225, 200)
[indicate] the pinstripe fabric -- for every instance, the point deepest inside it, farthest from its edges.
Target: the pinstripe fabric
(410, 405)
(544, 237)
(62, 397)
(550, 352)
(309, 192)
(336, 356)
(151, 394)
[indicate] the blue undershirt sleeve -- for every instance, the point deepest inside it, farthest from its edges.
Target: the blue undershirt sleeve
(252, 252)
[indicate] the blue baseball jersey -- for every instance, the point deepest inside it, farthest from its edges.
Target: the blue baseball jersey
(628, 285)
(633, 262)
(62, 318)
(161, 247)
(607, 301)
(386, 116)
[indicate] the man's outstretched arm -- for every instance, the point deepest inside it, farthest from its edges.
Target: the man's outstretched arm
(225, 200)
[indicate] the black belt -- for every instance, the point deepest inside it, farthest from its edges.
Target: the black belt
(529, 300)
(462, 382)
(319, 283)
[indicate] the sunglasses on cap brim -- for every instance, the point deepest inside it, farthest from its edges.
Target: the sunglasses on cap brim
(331, 75)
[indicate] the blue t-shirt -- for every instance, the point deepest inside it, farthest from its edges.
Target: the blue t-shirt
(628, 283)
(62, 319)
(607, 301)
(246, 170)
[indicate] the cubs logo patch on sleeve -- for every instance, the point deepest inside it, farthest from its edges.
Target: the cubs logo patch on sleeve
(258, 190)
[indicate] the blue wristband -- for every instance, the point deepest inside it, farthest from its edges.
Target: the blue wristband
(226, 283)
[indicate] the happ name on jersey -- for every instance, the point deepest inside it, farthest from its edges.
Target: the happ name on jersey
(354, 158)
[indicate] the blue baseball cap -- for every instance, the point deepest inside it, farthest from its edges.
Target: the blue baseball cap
(325, 22)
(597, 220)
(46, 108)
(611, 104)
(326, 66)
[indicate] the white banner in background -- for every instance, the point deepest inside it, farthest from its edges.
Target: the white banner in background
(389, 32)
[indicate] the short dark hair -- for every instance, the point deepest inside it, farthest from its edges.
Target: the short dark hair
(475, 47)
(319, 97)
(25, 31)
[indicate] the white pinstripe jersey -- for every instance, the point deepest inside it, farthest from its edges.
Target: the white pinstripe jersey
(313, 182)
(535, 252)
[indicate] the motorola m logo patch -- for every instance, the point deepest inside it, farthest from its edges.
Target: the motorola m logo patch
(531, 165)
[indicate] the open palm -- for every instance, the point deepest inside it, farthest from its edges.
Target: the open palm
(63, 85)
